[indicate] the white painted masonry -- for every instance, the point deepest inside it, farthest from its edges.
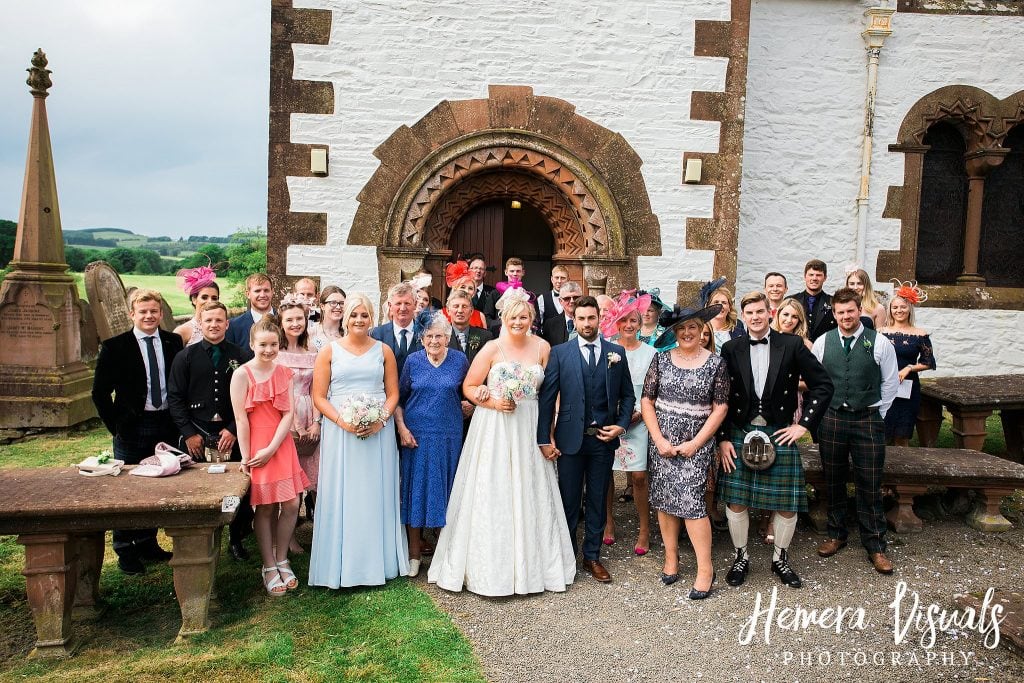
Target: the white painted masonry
(626, 66)
(804, 113)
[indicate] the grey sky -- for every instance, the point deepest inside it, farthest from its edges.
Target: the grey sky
(158, 111)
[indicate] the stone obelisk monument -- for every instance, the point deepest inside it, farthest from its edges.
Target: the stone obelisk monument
(43, 381)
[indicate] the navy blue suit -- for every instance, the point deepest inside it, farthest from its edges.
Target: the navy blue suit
(598, 398)
(386, 333)
(238, 329)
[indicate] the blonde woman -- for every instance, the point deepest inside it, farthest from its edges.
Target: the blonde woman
(792, 319)
(914, 355)
(870, 306)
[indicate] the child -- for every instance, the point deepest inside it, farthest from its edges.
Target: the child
(262, 401)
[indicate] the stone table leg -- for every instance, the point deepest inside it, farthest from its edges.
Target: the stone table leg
(195, 566)
(929, 420)
(902, 518)
(986, 515)
(969, 428)
(1013, 432)
(50, 577)
(90, 548)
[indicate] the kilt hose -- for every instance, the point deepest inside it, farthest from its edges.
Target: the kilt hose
(152, 428)
(780, 487)
(857, 436)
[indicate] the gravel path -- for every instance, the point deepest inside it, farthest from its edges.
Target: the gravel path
(636, 629)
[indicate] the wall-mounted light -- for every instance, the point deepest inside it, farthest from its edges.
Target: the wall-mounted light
(516, 204)
(693, 171)
(318, 161)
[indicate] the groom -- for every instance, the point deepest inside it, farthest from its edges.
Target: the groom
(592, 378)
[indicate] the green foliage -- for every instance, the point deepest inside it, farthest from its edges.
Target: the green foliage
(247, 254)
(205, 255)
(8, 232)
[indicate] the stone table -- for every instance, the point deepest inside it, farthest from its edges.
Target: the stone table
(970, 400)
(60, 517)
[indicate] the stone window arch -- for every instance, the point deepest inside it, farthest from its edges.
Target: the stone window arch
(983, 123)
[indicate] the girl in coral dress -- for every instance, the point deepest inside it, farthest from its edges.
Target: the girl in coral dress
(262, 401)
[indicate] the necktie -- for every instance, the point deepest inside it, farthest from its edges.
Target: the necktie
(215, 354)
(155, 394)
(755, 342)
(462, 340)
(593, 355)
(403, 346)
(847, 343)
(570, 325)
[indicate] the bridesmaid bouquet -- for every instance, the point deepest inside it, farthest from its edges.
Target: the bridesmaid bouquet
(362, 410)
(514, 383)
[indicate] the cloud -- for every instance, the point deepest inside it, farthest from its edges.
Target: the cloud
(158, 111)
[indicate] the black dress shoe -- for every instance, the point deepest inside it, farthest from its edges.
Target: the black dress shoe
(785, 572)
(155, 554)
(738, 573)
(131, 565)
(238, 551)
(669, 579)
(702, 595)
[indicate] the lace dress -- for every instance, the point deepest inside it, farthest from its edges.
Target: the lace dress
(300, 362)
(683, 400)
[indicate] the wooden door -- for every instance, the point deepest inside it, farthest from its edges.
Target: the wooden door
(480, 231)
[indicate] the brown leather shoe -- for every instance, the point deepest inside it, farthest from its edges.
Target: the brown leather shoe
(881, 563)
(595, 569)
(830, 547)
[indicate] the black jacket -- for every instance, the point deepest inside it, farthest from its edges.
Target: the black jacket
(485, 301)
(789, 361)
(121, 371)
(555, 331)
(820, 320)
(198, 391)
(475, 340)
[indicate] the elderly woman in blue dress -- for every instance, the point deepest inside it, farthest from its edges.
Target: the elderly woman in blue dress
(623, 318)
(429, 421)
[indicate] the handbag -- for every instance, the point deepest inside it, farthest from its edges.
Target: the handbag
(758, 452)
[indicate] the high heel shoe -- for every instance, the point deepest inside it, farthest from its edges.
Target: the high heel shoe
(701, 595)
(291, 582)
(669, 579)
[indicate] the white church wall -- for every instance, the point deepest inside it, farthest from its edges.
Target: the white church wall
(802, 142)
(627, 66)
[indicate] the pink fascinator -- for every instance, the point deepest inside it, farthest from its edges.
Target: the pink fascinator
(503, 287)
(627, 302)
(512, 294)
(191, 280)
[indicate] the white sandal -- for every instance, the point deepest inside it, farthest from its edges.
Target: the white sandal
(288, 578)
(274, 583)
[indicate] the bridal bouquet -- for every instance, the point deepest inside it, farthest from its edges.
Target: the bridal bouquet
(514, 383)
(363, 411)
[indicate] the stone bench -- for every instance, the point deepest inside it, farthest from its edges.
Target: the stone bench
(911, 471)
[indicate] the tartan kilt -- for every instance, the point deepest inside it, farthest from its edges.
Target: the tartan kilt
(780, 487)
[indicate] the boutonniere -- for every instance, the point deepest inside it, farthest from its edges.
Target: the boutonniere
(232, 365)
(866, 343)
(613, 358)
(474, 343)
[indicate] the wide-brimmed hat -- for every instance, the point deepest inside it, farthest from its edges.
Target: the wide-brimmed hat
(628, 301)
(670, 320)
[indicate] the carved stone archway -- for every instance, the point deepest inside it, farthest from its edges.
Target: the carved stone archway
(583, 178)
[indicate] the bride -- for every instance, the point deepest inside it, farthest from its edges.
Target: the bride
(506, 531)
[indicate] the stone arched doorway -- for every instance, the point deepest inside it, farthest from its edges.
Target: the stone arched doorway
(583, 179)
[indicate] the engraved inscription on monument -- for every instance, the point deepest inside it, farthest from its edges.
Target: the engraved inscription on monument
(26, 332)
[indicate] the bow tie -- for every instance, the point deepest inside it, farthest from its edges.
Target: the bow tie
(754, 342)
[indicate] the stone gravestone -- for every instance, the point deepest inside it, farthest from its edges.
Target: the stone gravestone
(107, 300)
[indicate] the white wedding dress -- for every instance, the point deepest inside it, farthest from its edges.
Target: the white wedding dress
(506, 531)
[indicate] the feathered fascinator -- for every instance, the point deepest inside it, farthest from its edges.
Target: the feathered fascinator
(191, 280)
(504, 287)
(424, 319)
(707, 290)
(454, 272)
(293, 299)
(909, 291)
(514, 292)
(627, 302)
(421, 281)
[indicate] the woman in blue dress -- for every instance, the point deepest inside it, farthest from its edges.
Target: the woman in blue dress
(358, 537)
(429, 421)
(913, 355)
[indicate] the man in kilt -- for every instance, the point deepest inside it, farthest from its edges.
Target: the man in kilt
(863, 368)
(765, 368)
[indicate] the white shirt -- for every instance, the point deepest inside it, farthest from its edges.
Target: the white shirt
(256, 315)
(159, 348)
(884, 354)
(398, 335)
(586, 352)
(555, 299)
(759, 359)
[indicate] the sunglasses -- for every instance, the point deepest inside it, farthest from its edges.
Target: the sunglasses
(570, 298)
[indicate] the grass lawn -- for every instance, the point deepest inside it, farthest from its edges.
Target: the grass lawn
(166, 285)
(389, 633)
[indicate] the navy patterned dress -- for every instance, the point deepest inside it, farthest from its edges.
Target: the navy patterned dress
(432, 409)
(683, 400)
(911, 349)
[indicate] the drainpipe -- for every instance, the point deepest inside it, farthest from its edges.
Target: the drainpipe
(879, 28)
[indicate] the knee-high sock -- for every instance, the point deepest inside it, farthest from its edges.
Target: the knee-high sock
(739, 527)
(785, 527)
